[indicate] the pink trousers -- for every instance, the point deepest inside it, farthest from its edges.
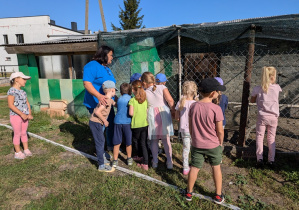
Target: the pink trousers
(19, 129)
(167, 149)
(263, 123)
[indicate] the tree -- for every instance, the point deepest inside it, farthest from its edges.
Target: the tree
(129, 16)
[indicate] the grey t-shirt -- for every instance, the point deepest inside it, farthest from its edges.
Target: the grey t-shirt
(20, 100)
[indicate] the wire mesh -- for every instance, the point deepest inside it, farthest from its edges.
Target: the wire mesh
(229, 65)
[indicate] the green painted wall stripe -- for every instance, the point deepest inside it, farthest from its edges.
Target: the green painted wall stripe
(22, 59)
(27, 87)
(54, 89)
(168, 68)
(28, 65)
(44, 91)
(78, 94)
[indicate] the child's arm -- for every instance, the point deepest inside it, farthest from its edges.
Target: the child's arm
(170, 101)
(168, 98)
(10, 101)
(131, 110)
(220, 131)
(30, 117)
(190, 127)
(253, 99)
(98, 113)
(177, 115)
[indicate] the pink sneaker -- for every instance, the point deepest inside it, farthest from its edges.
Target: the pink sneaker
(27, 152)
(20, 155)
(143, 166)
(186, 171)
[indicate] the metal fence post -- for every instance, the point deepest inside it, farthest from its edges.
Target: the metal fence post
(180, 64)
(246, 87)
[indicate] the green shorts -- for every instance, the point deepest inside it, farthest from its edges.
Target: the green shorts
(198, 156)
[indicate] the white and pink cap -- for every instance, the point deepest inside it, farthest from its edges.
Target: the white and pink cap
(18, 74)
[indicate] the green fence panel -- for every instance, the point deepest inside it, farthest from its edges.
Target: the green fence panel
(54, 89)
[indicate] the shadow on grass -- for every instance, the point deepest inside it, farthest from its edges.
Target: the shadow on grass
(83, 140)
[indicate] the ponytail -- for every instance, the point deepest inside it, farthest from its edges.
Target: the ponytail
(182, 103)
(149, 78)
(189, 90)
(140, 95)
(267, 73)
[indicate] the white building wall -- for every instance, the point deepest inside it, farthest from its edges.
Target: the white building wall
(34, 29)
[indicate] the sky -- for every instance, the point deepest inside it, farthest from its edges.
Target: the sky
(157, 13)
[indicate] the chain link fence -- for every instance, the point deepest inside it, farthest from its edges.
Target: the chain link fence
(230, 66)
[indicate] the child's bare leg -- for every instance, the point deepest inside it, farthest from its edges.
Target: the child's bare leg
(129, 151)
(25, 145)
(217, 176)
(17, 148)
(116, 151)
(192, 178)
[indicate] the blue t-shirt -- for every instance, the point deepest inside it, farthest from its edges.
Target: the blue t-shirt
(97, 74)
(223, 104)
(122, 116)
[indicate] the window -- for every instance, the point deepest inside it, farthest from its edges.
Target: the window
(8, 59)
(5, 37)
(20, 38)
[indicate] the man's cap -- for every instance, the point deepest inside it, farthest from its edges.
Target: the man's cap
(161, 78)
(18, 74)
(209, 85)
(219, 80)
(134, 77)
(109, 84)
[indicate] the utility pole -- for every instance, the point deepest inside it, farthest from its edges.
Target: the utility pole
(102, 16)
(86, 16)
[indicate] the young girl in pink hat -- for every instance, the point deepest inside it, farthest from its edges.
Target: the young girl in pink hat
(20, 113)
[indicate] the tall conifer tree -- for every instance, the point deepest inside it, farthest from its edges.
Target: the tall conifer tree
(129, 16)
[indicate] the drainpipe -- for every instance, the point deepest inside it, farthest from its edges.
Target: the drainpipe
(180, 63)
(246, 87)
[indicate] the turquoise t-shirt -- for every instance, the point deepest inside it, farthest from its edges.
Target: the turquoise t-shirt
(139, 118)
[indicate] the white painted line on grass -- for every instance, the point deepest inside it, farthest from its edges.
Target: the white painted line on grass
(135, 173)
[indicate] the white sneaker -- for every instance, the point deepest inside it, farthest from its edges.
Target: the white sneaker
(20, 155)
(27, 152)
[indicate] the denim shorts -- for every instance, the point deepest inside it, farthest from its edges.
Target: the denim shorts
(121, 130)
(198, 156)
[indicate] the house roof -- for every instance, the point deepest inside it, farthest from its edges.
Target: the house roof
(75, 45)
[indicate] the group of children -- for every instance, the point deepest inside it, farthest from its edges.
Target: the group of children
(146, 118)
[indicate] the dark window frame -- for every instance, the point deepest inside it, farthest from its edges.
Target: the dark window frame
(5, 37)
(20, 38)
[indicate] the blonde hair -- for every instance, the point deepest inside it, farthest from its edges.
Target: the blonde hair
(267, 73)
(140, 95)
(189, 90)
(148, 78)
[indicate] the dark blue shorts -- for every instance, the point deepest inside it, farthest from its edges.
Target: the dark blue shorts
(119, 131)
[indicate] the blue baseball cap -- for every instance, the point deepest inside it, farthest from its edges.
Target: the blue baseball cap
(161, 78)
(134, 77)
(219, 80)
(109, 84)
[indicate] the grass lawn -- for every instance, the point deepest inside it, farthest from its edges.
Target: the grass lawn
(3, 90)
(57, 179)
